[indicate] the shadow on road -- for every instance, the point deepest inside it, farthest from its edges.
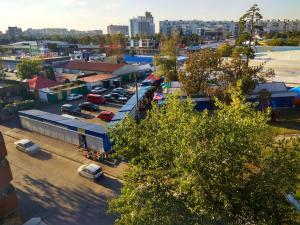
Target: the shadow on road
(110, 183)
(42, 155)
(86, 116)
(63, 206)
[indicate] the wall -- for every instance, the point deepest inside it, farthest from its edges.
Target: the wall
(60, 133)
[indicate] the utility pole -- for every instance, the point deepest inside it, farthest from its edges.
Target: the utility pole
(137, 92)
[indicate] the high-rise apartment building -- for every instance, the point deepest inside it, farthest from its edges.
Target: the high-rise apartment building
(59, 31)
(280, 26)
(8, 198)
(118, 29)
(209, 29)
(142, 26)
(14, 32)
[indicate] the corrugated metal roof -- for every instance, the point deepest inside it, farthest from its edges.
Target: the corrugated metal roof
(74, 125)
(271, 87)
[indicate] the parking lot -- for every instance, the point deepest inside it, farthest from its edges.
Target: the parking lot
(87, 116)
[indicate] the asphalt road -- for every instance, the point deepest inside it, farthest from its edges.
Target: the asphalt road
(49, 187)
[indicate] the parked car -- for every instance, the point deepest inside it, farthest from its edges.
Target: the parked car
(96, 99)
(106, 116)
(119, 97)
(88, 106)
(70, 109)
(91, 171)
(27, 146)
(72, 97)
(98, 90)
(120, 91)
(109, 98)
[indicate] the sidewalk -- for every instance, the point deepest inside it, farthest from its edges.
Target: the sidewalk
(63, 149)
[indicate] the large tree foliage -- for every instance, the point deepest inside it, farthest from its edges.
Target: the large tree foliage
(27, 68)
(222, 167)
(199, 69)
(206, 72)
(248, 25)
(166, 62)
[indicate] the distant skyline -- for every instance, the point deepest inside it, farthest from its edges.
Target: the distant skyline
(98, 14)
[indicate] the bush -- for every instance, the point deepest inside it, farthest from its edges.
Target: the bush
(19, 105)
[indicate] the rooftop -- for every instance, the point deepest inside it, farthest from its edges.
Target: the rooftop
(92, 66)
(98, 77)
(38, 82)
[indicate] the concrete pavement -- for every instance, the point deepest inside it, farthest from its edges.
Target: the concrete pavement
(49, 187)
(65, 150)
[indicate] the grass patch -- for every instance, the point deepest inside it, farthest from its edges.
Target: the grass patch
(288, 121)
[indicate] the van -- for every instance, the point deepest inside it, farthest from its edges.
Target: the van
(96, 99)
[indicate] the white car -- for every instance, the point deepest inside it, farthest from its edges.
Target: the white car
(27, 146)
(74, 97)
(91, 171)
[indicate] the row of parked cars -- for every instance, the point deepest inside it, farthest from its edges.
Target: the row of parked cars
(93, 100)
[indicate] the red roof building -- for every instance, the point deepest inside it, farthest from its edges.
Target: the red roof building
(38, 82)
(93, 66)
(96, 78)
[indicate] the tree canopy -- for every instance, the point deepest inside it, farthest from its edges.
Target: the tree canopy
(248, 25)
(166, 62)
(27, 68)
(223, 167)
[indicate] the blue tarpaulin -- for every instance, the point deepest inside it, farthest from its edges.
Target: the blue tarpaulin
(138, 59)
(295, 90)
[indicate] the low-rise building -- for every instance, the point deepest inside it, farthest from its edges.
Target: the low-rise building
(104, 80)
(121, 70)
(72, 131)
(38, 82)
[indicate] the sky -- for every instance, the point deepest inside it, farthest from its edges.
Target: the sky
(97, 14)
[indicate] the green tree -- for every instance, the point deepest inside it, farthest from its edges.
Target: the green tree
(201, 168)
(27, 68)
(50, 74)
(166, 62)
(224, 50)
(248, 25)
(199, 69)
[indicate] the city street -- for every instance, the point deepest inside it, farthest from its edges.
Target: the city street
(49, 187)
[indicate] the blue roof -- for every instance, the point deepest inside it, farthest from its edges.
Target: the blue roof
(141, 93)
(71, 124)
(138, 59)
(120, 116)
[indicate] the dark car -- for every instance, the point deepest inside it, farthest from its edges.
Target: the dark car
(119, 97)
(88, 106)
(70, 109)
